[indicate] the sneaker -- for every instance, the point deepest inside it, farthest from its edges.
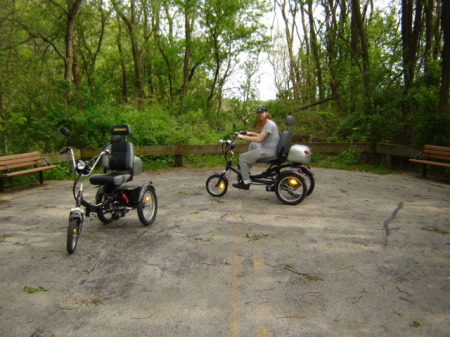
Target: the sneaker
(242, 185)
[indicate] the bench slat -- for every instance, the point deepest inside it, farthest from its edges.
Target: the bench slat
(438, 148)
(10, 166)
(427, 162)
(438, 152)
(9, 157)
(439, 156)
(32, 170)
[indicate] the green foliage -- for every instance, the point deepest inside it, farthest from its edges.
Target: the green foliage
(360, 126)
(60, 172)
(349, 157)
(183, 76)
(428, 126)
(313, 126)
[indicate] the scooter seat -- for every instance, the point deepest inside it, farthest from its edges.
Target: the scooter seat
(109, 179)
(268, 160)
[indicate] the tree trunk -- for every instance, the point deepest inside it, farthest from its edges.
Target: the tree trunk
(123, 66)
(429, 28)
(132, 24)
(294, 73)
(445, 80)
(72, 12)
(3, 122)
(410, 37)
(333, 30)
(315, 51)
(187, 52)
(361, 49)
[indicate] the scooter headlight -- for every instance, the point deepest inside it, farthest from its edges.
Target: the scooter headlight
(83, 167)
(80, 165)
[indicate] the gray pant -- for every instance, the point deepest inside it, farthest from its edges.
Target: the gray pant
(247, 159)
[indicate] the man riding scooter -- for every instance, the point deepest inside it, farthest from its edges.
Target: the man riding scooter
(263, 145)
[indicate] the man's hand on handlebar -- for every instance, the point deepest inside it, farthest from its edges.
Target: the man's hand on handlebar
(238, 134)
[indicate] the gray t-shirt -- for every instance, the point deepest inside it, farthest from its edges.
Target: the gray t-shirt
(270, 143)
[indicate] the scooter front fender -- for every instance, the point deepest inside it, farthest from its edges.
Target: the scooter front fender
(76, 213)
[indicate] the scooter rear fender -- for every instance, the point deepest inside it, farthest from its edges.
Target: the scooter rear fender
(135, 193)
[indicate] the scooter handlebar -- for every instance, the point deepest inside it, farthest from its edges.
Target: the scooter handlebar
(65, 150)
(239, 133)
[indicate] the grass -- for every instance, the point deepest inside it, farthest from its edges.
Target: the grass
(349, 161)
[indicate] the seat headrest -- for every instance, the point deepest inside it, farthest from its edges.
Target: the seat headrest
(121, 130)
(116, 138)
(289, 120)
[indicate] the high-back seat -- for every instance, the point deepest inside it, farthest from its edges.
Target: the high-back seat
(120, 161)
(284, 144)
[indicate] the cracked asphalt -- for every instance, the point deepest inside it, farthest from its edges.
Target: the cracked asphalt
(364, 255)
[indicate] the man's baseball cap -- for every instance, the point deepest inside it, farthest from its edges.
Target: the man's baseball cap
(262, 108)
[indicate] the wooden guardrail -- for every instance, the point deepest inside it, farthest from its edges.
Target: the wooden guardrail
(386, 150)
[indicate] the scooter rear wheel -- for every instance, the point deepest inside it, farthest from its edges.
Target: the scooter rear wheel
(290, 188)
(217, 185)
(310, 182)
(73, 233)
(147, 206)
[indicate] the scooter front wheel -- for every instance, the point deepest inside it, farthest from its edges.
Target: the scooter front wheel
(291, 188)
(217, 185)
(73, 233)
(100, 198)
(147, 206)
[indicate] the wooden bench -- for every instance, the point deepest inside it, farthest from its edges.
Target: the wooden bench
(24, 163)
(433, 155)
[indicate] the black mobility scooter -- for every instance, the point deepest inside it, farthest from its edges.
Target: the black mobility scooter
(115, 196)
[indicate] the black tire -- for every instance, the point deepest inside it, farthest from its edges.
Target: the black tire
(217, 185)
(147, 206)
(100, 197)
(73, 233)
(290, 188)
(310, 182)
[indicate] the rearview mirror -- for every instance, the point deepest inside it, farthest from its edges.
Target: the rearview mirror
(64, 131)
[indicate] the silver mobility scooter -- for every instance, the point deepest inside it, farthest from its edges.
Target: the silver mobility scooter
(287, 173)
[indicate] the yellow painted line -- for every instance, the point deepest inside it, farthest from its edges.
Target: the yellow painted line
(262, 330)
(235, 313)
(258, 260)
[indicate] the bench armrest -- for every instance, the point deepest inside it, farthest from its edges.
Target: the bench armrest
(6, 168)
(46, 161)
(419, 155)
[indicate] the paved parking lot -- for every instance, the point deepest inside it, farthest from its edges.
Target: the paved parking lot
(364, 255)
